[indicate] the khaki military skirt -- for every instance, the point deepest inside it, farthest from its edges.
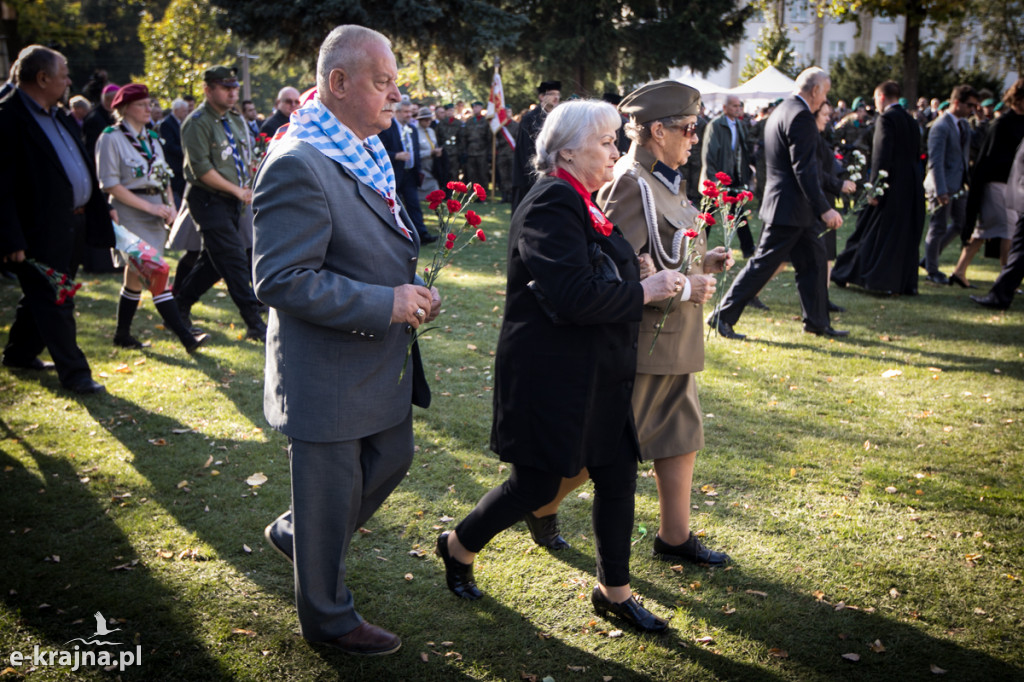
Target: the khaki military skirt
(669, 420)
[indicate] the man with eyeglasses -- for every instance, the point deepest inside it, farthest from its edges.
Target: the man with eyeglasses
(287, 101)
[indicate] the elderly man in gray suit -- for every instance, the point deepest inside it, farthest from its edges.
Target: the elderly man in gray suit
(949, 148)
(335, 259)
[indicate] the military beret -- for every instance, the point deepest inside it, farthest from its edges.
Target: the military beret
(999, 107)
(944, 105)
(989, 102)
(777, 102)
(902, 101)
(221, 75)
(661, 99)
(548, 85)
(132, 92)
(858, 102)
(112, 87)
(478, 103)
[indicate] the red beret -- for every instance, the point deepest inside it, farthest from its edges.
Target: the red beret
(132, 92)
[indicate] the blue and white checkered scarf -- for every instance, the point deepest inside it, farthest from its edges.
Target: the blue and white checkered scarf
(315, 124)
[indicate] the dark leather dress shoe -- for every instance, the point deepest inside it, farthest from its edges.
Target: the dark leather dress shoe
(127, 341)
(833, 308)
(197, 341)
(283, 547)
(366, 640)
(937, 278)
(545, 531)
(630, 611)
(960, 282)
(759, 304)
(692, 550)
(723, 328)
(34, 364)
(988, 301)
(827, 331)
(458, 575)
(86, 386)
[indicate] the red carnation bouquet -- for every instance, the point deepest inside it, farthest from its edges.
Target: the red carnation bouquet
(731, 213)
(149, 265)
(455, 235)
(64, 288)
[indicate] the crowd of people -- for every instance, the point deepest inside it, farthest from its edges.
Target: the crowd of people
(313, 217)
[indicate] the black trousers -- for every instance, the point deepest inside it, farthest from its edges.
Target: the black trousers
(1010, 277)
(528, 488)
(223, 256)
(40, 323)
(409, 193)
(802, 246)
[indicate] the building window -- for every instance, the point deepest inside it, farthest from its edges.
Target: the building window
(798, 12)
(798, 49)
(968, 55)
(836, 50)
(887, 47)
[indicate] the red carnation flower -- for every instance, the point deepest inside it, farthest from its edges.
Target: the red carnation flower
(449, 244)
(691, 234)
(730, 199)
(730, 218)
(457, 186)
(839, 157)
(433, 205)
(437, 195)
(451, 236)
(708, 218)
(709, 183)
(454, 206)
(481, 193)
(710, 191)
(473, 219)
(723, 178)
(481, 236)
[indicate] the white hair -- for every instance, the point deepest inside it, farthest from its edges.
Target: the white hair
(811, 78)
(179, 104)
(344, 48)
(569, 126)
(79, 101)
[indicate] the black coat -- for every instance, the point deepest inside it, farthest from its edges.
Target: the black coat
(792, 192)
(170, 133)
(36, 197)
(271, 125)
(882, 253)
(562, 391)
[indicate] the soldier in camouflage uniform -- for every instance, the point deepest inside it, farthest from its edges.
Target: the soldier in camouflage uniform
(451, 135)
(478, 147)
(506, 158)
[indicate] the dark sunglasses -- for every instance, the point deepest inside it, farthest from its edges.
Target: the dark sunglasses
(689, 129)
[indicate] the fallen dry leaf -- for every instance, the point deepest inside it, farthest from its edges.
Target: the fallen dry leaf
(819, 595)
(179, 431)
(157, 441)
(615, 633)
(209, 461)
(936, 669)
(182, 484)
(246, 548)
(576, 668)
(894, 593)
(424, 657)
(728, 610)
(890, 373)
(408, 576)
(891, 490)
(678, 568)
(164, 554)
(852, 657)
(259, 478)
(778, 653)
(418, 553)
(877, 646)
(242, 631)
(705, 640)
(757, 593)
(454, 654)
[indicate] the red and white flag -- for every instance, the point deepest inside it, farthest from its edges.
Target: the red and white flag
(496, 109)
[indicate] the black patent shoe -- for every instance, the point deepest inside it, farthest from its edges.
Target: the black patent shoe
(458, 575)
(692, 550)
(630, 611)
(545, 531)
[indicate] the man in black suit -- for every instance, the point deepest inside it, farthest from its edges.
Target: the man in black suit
(287, 101)
(402, 142)
(523, 178)
(170, 133)
(793, 202)
(50, 206)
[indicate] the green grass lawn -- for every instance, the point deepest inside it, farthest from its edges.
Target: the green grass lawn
(868, 489)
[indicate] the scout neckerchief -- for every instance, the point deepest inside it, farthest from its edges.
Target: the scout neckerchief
(239, 166)
(139, 143)
(368, 161)
(597, 218)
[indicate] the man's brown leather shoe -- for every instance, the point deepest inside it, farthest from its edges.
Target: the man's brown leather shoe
(366, 640)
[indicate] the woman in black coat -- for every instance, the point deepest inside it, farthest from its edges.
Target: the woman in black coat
(566, 359)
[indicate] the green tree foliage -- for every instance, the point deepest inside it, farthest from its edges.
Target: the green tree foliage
(181, 45)
(774, 48)
(857, 75)
(53, 23)
(1002, 31)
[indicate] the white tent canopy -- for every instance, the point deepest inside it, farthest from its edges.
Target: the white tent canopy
(763, 88)
(713, 96)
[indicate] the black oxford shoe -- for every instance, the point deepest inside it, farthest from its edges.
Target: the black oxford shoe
(827, 331)
(85, 387)
(988, 301)
(630, 611)
(692, 550)
(458, 575)
(545, 531)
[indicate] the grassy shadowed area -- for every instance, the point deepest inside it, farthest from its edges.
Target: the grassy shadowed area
(869, 491)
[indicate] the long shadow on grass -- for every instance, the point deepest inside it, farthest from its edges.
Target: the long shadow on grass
(60, 548)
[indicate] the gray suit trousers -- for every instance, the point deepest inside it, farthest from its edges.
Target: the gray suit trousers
(942, 230)
(336, 488)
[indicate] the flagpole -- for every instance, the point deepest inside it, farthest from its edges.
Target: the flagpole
(494, 138)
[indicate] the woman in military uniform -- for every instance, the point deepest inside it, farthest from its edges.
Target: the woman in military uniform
(647, 201)
(132, 170)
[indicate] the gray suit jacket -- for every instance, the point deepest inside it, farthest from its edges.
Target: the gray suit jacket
(947, 158)
(1015, 183)
(327, 254)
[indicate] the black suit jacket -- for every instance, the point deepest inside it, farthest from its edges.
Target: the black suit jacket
(271, 125)
(792, 193)
(392, 141)
(562, 392)
(170, 132)
(36, 198)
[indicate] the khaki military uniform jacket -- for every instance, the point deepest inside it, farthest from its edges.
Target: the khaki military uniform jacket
(680, 346)
(206, 146)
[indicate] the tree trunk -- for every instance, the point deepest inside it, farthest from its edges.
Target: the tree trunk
(911, 56)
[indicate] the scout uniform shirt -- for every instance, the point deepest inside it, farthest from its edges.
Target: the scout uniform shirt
(206, 147)
(119, 162)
